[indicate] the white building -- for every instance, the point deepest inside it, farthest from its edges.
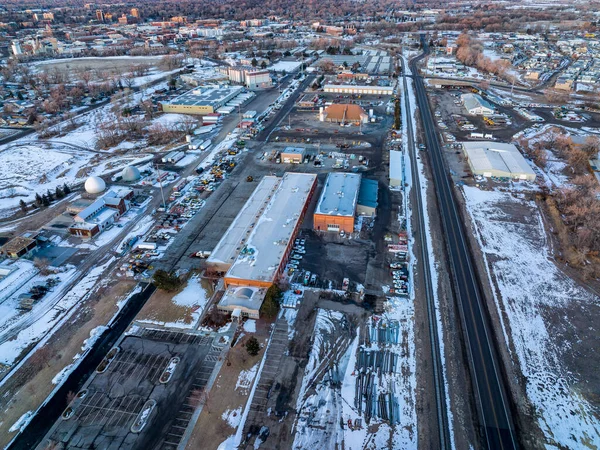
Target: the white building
(495, 159)
(351, 89)
(476, 105)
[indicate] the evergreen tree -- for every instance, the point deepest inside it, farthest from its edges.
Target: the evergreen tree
(254, 62)
(270, 306)
(39, 201)
(59, 193)
(252, 346)
(166, 281)
(66, 189)
(23, 206)
(45, 200)
(50, 196)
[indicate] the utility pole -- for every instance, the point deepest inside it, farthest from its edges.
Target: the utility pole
(162, 193)
(512, 89)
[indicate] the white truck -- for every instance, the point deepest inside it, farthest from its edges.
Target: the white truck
(146, 245)
(207, 143)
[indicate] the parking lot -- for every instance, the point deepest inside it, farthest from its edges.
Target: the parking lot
(103, 413)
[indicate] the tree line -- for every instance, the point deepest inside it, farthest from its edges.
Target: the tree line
(46, 199)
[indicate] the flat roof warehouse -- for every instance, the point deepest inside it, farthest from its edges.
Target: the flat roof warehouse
(207, 96)
(339, 195)
(268, 243)
(495, 159)
(226, 251)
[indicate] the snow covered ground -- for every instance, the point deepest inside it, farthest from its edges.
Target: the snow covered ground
(246, 378)
(327, 398)
(34, 167)
(528, 287)
(433, 266)
(194, 296)
(37, 325)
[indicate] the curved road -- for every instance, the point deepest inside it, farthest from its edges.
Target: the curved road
(491, 394)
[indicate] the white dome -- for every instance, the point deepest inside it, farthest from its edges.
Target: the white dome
(130, 173)
(94, 185)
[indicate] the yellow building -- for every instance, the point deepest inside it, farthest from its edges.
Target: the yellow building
(202, 100)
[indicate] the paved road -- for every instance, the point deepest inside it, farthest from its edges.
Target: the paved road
(424, 268)
(285, 109)
(488, 383)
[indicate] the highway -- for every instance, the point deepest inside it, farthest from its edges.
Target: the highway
(489, 387)
(425, 269)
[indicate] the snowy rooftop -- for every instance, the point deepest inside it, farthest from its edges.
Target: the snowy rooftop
(244, 297)
(395, 164)
(234, 238)
(206, 95)
(339, 195)
(497, 156)
(269, 239)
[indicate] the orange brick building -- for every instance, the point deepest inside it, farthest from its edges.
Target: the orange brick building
(336, 208)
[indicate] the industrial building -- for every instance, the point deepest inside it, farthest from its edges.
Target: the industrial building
(362, 90)
(494, 159)
(102, 213)
(255, 248)
(249, 76)
(202, 100)
(343, 113)
(293, 155)
(366, 204)
(228, 248)
(374, 62)
(476, 105)
(19, 246)
(395, 169)
(336, 208)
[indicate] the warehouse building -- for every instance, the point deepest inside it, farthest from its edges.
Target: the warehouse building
(476, 105)
(343, 113)
(294, 155)
(228, 248)
(363, 90)
(249, 76)
(494, 159)
(366, 204)
(265, 251)
(202, 100)
(336, 208)
(395, 169)
(256, 247)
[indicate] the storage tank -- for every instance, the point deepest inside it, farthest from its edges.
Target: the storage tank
(94, 185)
(130, 173)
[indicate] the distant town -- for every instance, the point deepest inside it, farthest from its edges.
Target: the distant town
(276, 225)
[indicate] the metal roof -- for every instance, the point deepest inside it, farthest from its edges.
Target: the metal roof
(367, 195)
(472, 101)
(504, 159)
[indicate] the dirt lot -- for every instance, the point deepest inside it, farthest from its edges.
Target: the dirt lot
(31, 384)
(160, 309)
(445, 101)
